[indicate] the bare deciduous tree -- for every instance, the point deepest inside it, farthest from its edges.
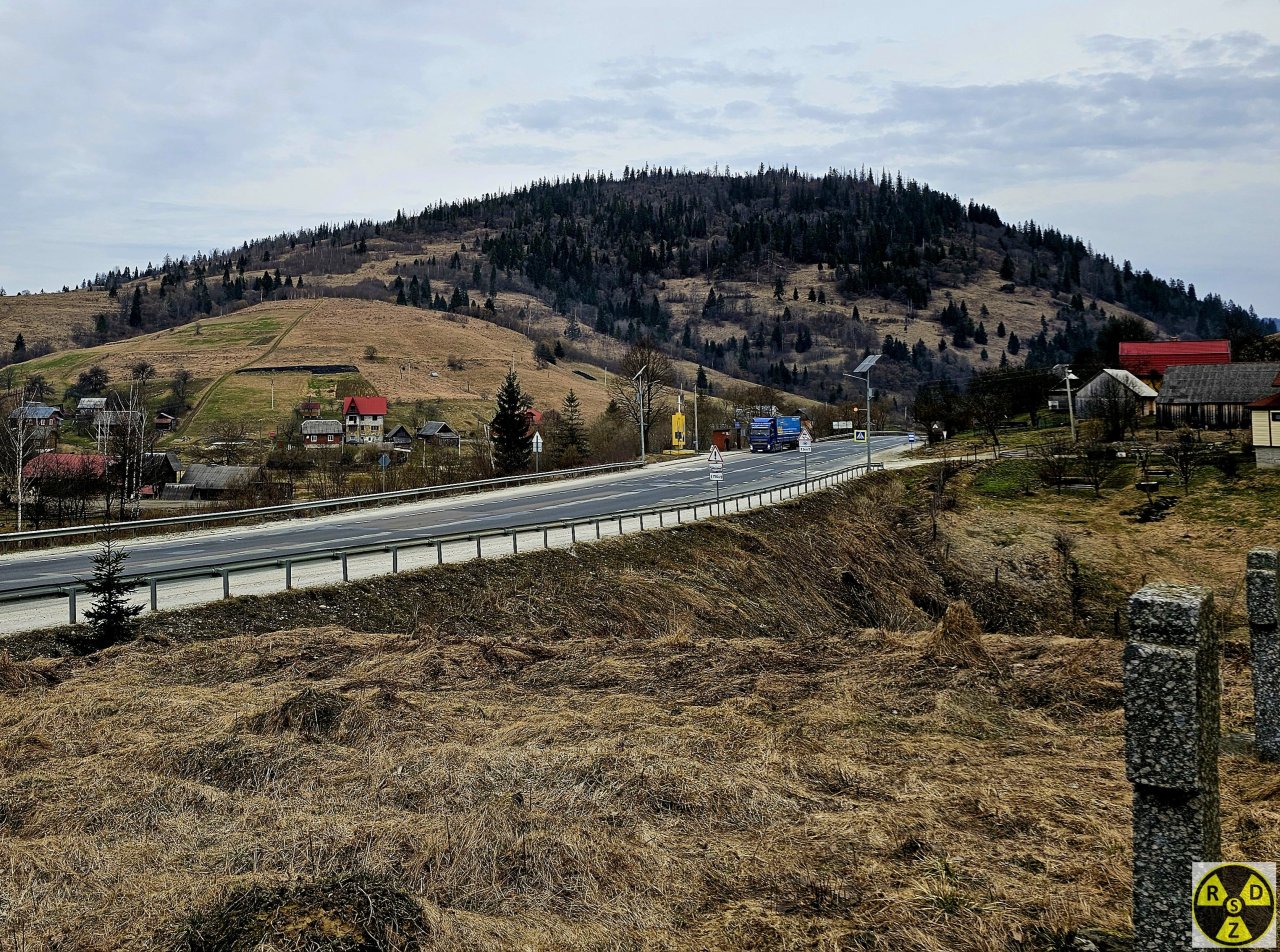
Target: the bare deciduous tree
(631, 389)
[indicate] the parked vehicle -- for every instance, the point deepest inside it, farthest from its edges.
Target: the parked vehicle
(775, 433)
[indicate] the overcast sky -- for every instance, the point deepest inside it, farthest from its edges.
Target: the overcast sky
(132, 130)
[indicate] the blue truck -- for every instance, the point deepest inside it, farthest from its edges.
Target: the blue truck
(775, 433)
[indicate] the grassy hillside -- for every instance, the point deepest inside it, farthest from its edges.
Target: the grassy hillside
(51, 318)
(453, 363)
(753, 733)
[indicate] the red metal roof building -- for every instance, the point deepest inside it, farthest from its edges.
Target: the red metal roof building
(364, 406)
(1149, 360)
(65, 466)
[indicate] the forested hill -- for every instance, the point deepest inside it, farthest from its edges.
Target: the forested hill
(776, 276)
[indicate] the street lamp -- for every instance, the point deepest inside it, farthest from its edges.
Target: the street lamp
(863, 372)
(639, 381)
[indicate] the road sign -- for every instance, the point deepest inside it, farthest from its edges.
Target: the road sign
(911, 437)
(537, 442)
(806, 443)
(842, 425)
(859, 436)
(717, 475)
(715, 459)
(384, 460)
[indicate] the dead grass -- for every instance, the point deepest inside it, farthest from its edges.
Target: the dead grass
(737, 735)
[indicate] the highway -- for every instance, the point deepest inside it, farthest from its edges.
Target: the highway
(682, 481)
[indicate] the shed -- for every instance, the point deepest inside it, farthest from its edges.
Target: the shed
(88, 406)
(439, 433)
(1215, 396)
(401, 437)
(164, 422)
(160, 469)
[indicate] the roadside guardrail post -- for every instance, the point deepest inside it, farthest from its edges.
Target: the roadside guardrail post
(154, 585)
(515, 545)
(619, 525)
(395, 560)
(573, 534)
(71, 603)
(345, 573)
(477, 547)
(439, 553)
(597, 528)
(546, 537)
(288, 574)
(226, 582)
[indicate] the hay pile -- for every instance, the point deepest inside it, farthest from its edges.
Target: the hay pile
(677, 741)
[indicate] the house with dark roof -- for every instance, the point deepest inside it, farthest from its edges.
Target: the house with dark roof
(1266, 430)
(364, 418)
(401, 437)
(215, 481)
(40, 421)
(439, 433)
(89, 406)
(1150, 360)
(1214, 396)
(164, 422)
(321, 433)
(160, 470)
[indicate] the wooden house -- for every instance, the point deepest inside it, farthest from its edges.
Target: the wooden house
(321, 433)
(1214, 396)
(439, 433)
(1266, 430)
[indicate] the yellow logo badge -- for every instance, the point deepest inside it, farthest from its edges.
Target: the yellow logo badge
(1234, 906)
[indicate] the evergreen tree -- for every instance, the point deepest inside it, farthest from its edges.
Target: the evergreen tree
(777, 289)
(19, 344)
(1014, 344)
(572, 447)
(135, 309)
(980, 335)
(1006, 268)
(512, 441)
(701, 382)
(1000, 329)
(111, 618)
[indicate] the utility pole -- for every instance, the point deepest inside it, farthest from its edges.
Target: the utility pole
(696, 447)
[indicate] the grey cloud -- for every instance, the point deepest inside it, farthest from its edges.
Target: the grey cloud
(657, 72)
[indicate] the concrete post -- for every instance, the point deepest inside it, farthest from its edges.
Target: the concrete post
(288, 574)
(1171, 707)
(1262, 586)
(226, 583)
(71, 603)
(395, 560)
(154, 593)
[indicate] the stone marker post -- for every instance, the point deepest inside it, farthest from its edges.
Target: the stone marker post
(1262, 589)
(1171, 703)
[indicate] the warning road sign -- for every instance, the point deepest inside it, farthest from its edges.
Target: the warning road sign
(859, 436)
(715, 458)
(1233, 906)
(806, 443)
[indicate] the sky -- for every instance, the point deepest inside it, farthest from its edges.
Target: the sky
(132, 130)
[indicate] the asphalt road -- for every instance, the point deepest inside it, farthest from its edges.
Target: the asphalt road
(658, 484)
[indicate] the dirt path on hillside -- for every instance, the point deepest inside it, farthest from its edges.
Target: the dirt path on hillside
(212, 388)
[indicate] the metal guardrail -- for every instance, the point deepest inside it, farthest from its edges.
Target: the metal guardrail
(719, 506)
(356, 502)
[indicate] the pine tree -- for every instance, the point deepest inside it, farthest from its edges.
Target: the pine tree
(1006, 268)
(1000, 329)
(701, 382)
(19, 344)
(572, 447)
(135, 309)
(1014, 344)
(512, 441)
(111, 618)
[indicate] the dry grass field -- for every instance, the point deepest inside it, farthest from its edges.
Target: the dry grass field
(50, 317)
(781, 731)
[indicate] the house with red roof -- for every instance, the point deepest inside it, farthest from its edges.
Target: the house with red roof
(66, 466)
(1148, 360)
(364, 418)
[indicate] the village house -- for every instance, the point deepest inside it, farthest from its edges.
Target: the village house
(158, 471)
(66, 466)
(211, 481)
(1150, 360)
(364, 418)
(89, 407)
(1109, 386)
(1266, 430)
(42, 417)
(164, 422)
(321, 433)
(1214, 396)
(309, 409)
(439, 433)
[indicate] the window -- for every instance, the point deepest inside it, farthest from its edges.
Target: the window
(1275, 416)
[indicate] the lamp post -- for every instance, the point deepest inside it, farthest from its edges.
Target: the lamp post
(863, 372)
(639, 379)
